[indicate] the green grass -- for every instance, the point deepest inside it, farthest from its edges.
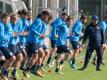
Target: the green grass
(70, 74)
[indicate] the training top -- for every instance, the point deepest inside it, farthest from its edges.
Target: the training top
(95, 35)
(76, 31)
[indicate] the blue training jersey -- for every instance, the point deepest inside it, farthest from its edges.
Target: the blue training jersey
(16, 29)
(62, 35)
(5, 34)
(76, 31)
(55, 28)
(103, 25)
(25, 25)
(43, 30)
(35, 31)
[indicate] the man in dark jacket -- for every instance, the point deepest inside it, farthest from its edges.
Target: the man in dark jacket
(96, 41)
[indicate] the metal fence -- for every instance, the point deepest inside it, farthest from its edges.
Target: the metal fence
(56, 7)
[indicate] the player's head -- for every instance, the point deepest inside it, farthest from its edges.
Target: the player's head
(39, 15)
(94, 20)
(6, 18)
(45, 15)
(14, 18)
(50, 19)
(25, 14)
(64, 16)
(69, 21)
(83, 18)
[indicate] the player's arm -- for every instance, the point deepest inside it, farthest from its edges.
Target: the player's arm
(86, 34)
(76, 28)
(103, 38)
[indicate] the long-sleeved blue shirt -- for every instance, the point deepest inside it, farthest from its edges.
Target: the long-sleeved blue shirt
(76, 31)
(5, 34)
(25, 25)
(62, 35)
(35, 29)
(2, 36)
(16, 28)
(95, 35)
(55, 28)
(103, 25)
(43, 30)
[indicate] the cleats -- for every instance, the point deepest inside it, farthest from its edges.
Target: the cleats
(83, 69)
(26, 74)
(38, 73)
(74, 66)
(59, 72)
(98, 69)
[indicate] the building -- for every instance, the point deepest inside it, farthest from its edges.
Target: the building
(94, 7)
(11, 6)
(56, 7)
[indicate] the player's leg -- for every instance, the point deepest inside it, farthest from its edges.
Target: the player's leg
(87, 57)
(41, 55)
(76, 47)
(17, 63)
(99, 58)
(9, 62)
(32, 51)
(52, 52)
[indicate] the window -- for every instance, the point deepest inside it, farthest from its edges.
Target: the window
(9, 8)
(5, 8)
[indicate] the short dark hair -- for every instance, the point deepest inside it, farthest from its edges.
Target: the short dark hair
(4, 15)
(83, 17)
(64, 14)
(39, 15)
(45, 13)
(24, 12)
(19, 12)
(69, 18)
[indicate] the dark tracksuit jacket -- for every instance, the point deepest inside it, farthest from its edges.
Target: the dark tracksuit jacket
(96, 38)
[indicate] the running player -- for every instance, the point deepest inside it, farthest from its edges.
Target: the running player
(55, 24)
(5, 34)
(34, 40)
(13, 44)
(74, 39)
(62, 48)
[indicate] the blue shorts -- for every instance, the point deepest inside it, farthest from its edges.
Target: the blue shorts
(62, 49)
(31, 48)
(53, 43)
(14, 49)
(22, 48)
(21, 45)
(6, 52)
(75, 44)
(42, 46)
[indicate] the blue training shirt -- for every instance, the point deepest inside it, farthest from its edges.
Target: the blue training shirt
(25, 25)
(43, 30)
(103, 25)
(16, 29)
(35, 31)
(5, 34)
(76, 31)
(55, 28)
(62, 35)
